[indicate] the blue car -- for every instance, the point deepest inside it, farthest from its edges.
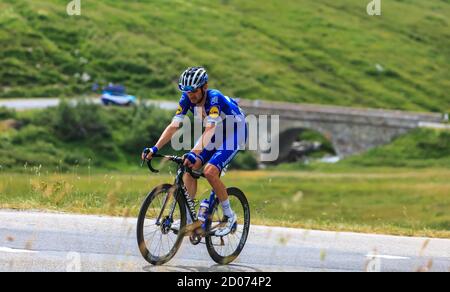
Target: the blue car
(115, 95)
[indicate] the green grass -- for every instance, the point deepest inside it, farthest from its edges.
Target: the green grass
(389, 200)
(321, 51)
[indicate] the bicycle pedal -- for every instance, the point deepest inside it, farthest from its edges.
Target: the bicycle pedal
(195, 239)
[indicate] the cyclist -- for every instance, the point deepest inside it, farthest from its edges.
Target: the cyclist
(210, 152)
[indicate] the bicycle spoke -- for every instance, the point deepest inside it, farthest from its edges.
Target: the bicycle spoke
(148, 233)
(159, 244)
(168, 242)
(151, 241)
(236, 241)
(173, 242)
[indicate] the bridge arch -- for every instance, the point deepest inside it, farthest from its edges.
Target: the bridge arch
(289, 136)
(350, 130)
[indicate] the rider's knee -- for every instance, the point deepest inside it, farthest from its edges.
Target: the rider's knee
(211, 172)
(196, 166)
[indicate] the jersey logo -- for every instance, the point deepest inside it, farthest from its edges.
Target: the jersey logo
(179, 110)
(214, 112)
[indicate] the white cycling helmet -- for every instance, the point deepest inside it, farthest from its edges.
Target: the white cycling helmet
(192, 79)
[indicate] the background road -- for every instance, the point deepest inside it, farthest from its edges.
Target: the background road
(41, 103)
(36, 241)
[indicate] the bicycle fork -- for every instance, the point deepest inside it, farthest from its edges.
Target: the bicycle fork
(168, 220)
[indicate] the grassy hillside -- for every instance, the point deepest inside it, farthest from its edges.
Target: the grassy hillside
(322, 51)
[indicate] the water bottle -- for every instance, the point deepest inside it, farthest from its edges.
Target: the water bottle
(203, 211)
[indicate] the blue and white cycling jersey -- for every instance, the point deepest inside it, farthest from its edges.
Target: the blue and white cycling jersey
(217, 108)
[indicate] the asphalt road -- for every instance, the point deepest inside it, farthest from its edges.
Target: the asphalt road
(41, 103)
(36, 241)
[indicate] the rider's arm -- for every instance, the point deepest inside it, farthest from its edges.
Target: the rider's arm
(205, 139)
(168, 133)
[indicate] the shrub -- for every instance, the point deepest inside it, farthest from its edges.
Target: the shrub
(145, 129)
(30, 134)
(80, 123)
(438, 146)
(245, 160)
(6, 113)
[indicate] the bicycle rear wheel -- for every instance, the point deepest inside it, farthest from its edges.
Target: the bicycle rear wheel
(224, 250)
(158, 241)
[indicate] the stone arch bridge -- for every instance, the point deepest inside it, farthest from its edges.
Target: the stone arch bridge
(350, 130)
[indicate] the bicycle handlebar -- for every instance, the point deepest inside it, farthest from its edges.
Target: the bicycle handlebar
(177, 160)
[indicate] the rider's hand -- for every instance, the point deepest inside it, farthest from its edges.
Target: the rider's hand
(190, 159)
(148, 153)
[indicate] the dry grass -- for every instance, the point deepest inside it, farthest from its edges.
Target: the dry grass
(406, 202)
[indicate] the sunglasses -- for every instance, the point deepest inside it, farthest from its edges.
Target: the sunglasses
(187, 89)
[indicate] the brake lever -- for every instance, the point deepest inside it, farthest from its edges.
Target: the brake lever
(145, 156)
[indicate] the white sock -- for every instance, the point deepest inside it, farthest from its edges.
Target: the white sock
(227, 208)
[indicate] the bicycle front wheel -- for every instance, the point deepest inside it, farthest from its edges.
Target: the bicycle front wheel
(162, 216)
(224, 250)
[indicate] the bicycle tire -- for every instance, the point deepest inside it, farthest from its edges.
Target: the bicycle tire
(215, 255)
(152, 259)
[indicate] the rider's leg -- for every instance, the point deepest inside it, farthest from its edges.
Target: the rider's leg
(219, 160)
(191, 186)
(190, 182)
(212, 174)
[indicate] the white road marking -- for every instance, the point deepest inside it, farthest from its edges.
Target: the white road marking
(387, 257)
(13, 250)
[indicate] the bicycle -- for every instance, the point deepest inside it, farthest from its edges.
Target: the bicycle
(166, 204)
